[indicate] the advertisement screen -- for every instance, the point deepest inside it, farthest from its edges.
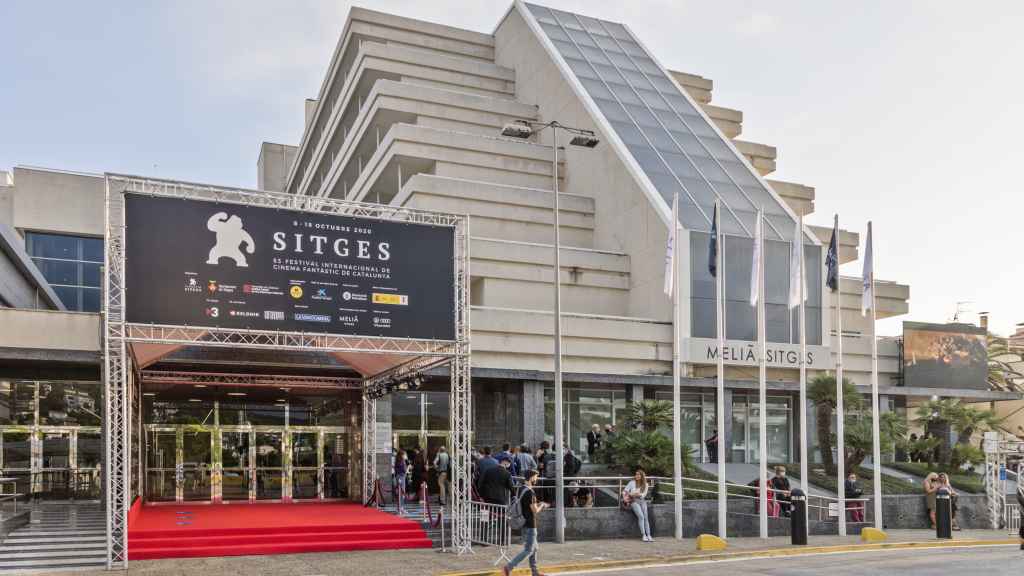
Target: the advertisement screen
(944, 356)
(210, 264)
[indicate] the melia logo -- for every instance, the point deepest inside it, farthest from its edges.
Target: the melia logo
(230, 237)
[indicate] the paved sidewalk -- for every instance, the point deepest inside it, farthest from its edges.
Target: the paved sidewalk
(416, 562)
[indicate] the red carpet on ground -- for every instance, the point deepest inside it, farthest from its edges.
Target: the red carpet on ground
(200, 530)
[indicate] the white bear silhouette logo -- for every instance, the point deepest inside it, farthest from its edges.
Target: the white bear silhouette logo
(230, 235)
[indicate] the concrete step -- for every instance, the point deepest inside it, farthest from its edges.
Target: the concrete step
(45, 533)
(51, 564)
(64, 546)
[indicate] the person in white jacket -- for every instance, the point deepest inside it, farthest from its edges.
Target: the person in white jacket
(634, 495)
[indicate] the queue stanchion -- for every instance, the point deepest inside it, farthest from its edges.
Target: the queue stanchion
(943, 515)
(798, 517)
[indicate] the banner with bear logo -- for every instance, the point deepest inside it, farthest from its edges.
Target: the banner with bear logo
(212, 264)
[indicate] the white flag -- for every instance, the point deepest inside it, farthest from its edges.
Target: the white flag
(797, 278)
(868, 299)
(755, 269)
(670, 250)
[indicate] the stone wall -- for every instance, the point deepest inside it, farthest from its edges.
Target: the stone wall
(701, 517)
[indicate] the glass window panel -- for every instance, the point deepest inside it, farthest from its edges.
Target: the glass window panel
(609, 74)
(813, 271)
(697, 125)
(701, 192)
(581, 38)
(23, 408)
(52, 246)
(647, 65)
(681, 165)
(69, 296)
(90, 299)
(617, 30)
(594, 55)
(597, 89)
(688, 142)
(607, 43)
(636, 79)
(671, 121)
(568, 49)
(92, 249)
(542, 14)
(703, 317)
(625, 95)
(710, 169)
(17, 450)
(666, 184)
(90, 450)
(567, 20)
(554, 32)
(691, 217)
(405, 411)
(91, 274)
(652, 98)
(718, 148)
(661, 83)
(777, 324)
(177, 412)
(740, 174)
(631, 48)
(612, 110)
(740, 320)
(591, 25)
(649, 161)
(581, 68)
(58, 271)
(735, 199)
(437, 404)
(6, 401)
(630, 135)
(621, 61)
(776, 272)
(641, 115)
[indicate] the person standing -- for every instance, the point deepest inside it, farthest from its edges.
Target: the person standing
(593, 441)
(954, 497)
(711, 445)
(782, 489)
(853, 502)
(496, 484)
(525, 461)
(931, 486)
(635, 495)
(530, 507)
(486, 463)
(401, 469)
(442, 464)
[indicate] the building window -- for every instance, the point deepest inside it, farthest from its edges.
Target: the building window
(582, 409)
(746, 427)
(740, 316)
(71, 264)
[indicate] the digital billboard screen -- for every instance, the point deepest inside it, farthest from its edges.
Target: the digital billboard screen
(944, 356)
(221, 265)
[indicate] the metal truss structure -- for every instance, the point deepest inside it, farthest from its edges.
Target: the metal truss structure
(121, 377)
(996, 452)
(250, 380)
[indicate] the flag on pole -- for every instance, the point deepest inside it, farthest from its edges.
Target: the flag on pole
(797, 278)
(755, 269)
(868, 300)
(832, 259)
(713, 244)
(670, 250)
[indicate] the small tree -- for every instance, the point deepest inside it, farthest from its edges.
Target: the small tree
(822, 393)
(645, 443)
(650, 414)
(941, 416)
(859, 436)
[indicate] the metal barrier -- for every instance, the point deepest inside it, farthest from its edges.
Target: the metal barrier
(1013, 514)
(488, 526)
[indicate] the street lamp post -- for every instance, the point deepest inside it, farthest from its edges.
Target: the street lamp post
(586, 139)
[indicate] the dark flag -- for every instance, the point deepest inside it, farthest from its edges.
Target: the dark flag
(832, 260)
(713, 245)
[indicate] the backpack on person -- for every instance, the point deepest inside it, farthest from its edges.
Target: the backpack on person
(550, 466)
(574, 465)
(516, 520)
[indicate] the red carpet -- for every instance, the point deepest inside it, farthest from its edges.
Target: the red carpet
(191, 531)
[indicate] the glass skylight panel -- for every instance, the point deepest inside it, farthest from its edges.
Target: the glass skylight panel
(673, 143)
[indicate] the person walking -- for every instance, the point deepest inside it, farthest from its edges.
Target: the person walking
(931, 486)
(634, 495)
(530, 507)
(593, 442)
(442, 464)
(711, 445)
(399, 474)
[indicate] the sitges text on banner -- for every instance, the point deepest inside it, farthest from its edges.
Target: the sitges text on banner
(211, 264)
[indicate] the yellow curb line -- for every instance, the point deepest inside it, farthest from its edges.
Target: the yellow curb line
(765, 553)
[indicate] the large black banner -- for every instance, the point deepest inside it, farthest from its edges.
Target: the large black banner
(211, 264)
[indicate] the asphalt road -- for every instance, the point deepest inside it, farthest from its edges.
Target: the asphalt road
(989, 561)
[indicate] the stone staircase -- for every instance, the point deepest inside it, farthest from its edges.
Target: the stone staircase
(61, 537)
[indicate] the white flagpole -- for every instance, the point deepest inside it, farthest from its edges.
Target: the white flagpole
(723, 497)
(677, 460)
(876, 449)
(803, 361)
(840, 414)
(763, 382)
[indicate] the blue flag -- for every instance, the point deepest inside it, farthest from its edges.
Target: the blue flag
(713, 245)
(832, 260)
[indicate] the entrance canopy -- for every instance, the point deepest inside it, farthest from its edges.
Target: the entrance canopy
(382, 291)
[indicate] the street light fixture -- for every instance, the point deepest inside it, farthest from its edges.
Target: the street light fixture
(585, 139)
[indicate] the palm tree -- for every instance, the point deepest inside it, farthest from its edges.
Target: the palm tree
(1003, 373)
(859, 437)
(822, 392)
(650, 414)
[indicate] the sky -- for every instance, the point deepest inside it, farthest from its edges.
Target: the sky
(905, 113)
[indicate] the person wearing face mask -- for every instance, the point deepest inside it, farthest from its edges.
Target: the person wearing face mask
(853, 494)
(781, 484)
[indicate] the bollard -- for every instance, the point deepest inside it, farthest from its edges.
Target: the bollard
(943, 514)
(798, 517)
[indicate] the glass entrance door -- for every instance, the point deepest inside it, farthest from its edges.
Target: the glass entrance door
(335, 450)
(235, 465)
(305, 465)
(161, 465)
(269, 465)
(196, 464)
(56, 472)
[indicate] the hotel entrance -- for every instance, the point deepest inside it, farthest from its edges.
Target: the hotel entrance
(208, 443)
